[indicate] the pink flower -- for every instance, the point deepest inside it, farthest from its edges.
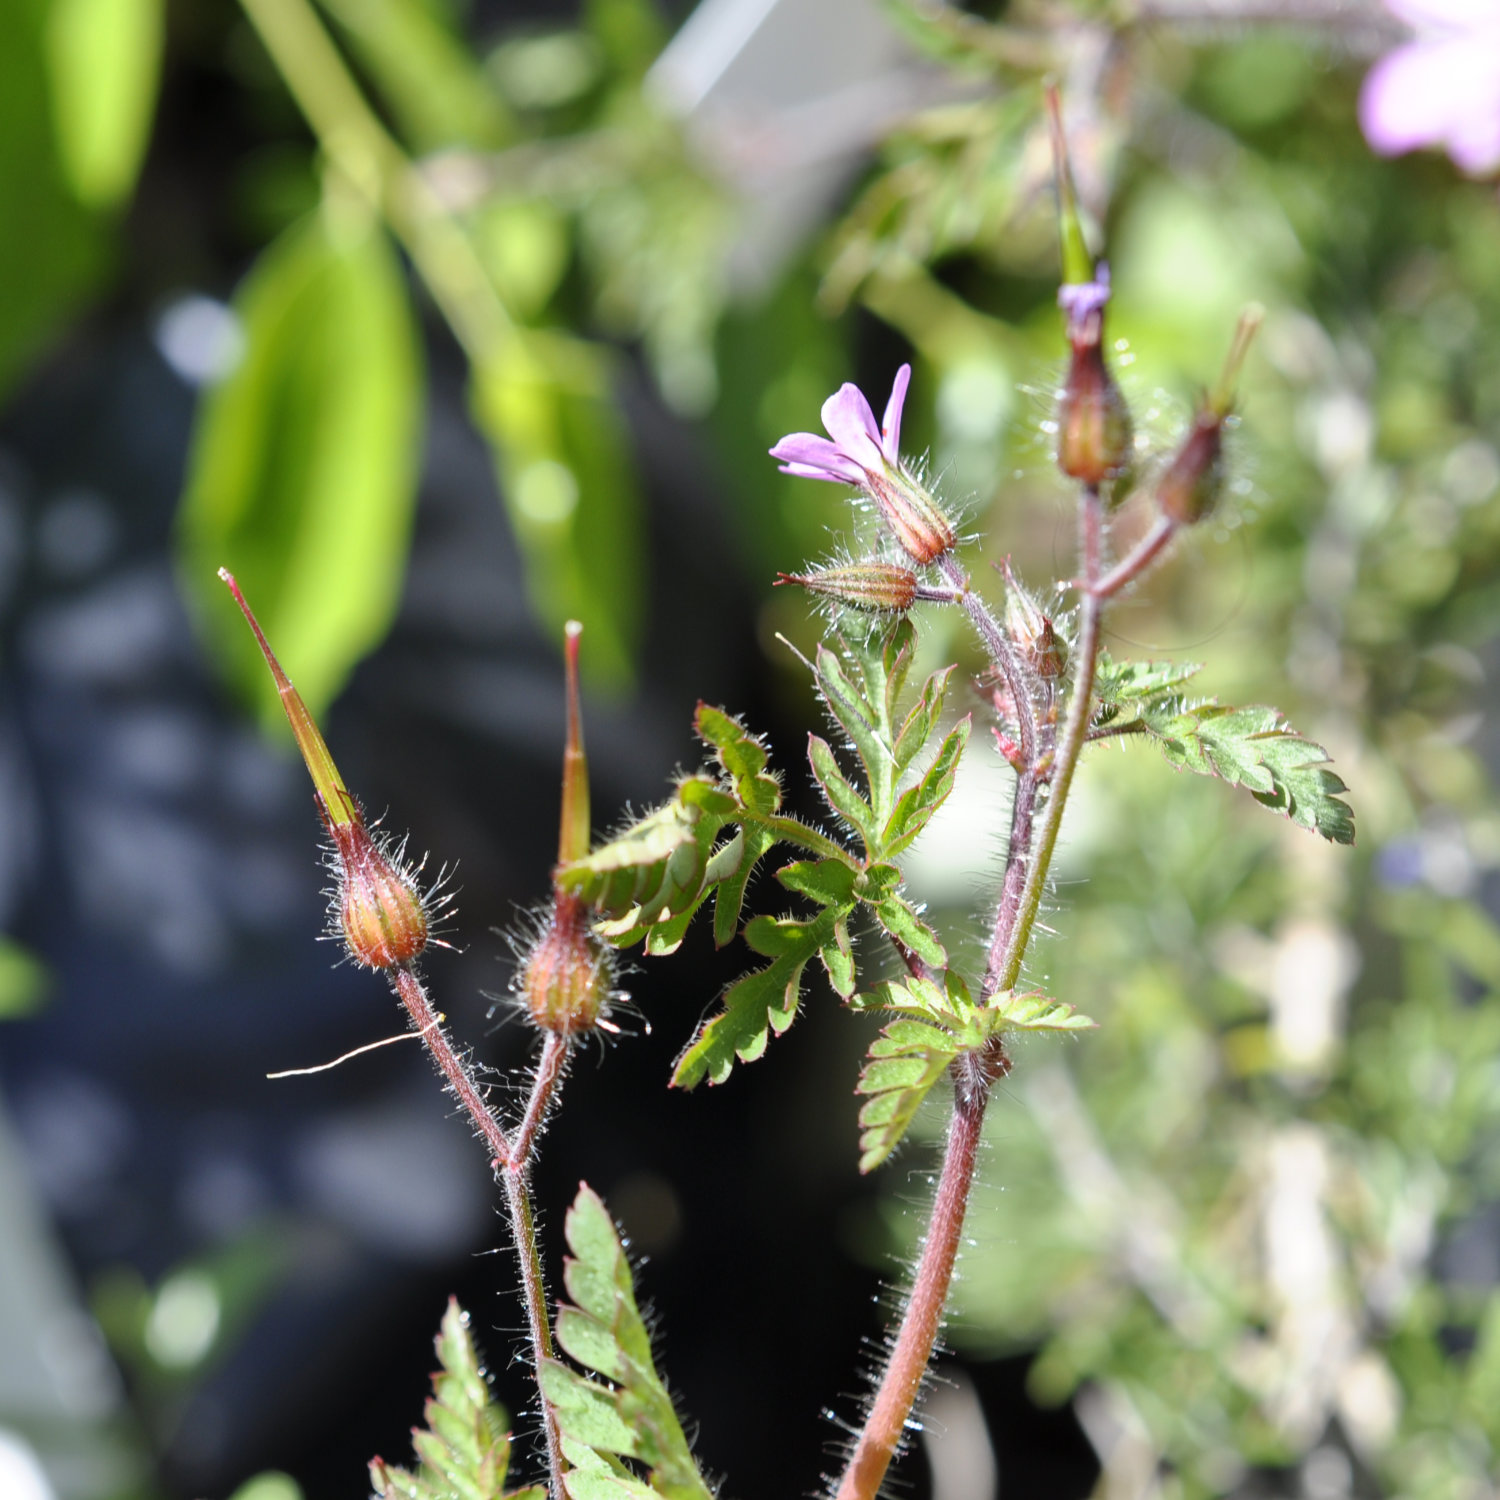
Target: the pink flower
(1443, 87)
(869, 457)
(859, 448)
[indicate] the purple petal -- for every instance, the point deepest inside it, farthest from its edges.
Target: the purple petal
(848, 418)
(1436, 93)
(811, 457)
(890, 424)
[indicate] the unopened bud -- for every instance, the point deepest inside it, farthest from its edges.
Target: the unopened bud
(1192, 483)
(1095, 436)
(380, 909)
(914, 517)
(565, 982)
(871, 585)
(1031, 631)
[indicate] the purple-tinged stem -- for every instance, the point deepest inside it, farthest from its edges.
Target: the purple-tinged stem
(510, 1163)
(549, 1072)
(885, 1427)
(430, 1028)
(1138, 560)
(1000, 650)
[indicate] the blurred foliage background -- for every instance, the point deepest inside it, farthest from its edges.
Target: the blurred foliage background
(441, 324)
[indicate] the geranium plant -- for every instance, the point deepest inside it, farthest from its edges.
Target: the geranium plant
(883, 765)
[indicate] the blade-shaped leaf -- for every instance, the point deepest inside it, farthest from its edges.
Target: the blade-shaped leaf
(920, 802)
(1256, 748)
(742, 757)
(628, 1413)
(899, 918)
(760, 1003)
(303, 471)
(917, 728)
(905, 1061)
(464, 1451)
(103, 64)
(839, 792)
(1039, 1013)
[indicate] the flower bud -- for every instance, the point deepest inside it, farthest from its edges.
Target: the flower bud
(380, 911)
(565, 981)
(1095, 436)
(1191, 484)
(383, 916)
(871, 585)
(1031, 631)
(914, 517)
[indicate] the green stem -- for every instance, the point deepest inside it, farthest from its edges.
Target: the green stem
(354, 140)
(1070, 747)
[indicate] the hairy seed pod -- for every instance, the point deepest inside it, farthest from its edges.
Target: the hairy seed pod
(914, 517)
(1191, 484)
(870, 585)
(383, 916)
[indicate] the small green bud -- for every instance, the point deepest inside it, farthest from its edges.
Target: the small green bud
(1031, 631)
(565, 982)
(871, 585)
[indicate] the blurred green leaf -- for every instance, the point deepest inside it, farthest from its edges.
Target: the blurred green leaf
(568, 478)
(51, 253)
(103, 64)
(271, 1485)
(425, 71)
(23, 981)
(302, 477)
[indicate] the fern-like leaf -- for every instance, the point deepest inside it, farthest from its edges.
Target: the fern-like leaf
(626, 1413)
(464, 1451)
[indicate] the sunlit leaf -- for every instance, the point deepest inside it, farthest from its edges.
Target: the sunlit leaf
(627, 1414)
(464, 1451)
(302, 476)
(103, 64)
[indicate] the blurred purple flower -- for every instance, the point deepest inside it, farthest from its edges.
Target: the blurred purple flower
(1443, 87)
(859, 448)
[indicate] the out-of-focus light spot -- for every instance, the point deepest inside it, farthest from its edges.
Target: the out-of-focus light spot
(200, 338)
(21, 1474)
(269, 1486)
(546, 492)
(76, 533)
(974, 400)
(184, 1320)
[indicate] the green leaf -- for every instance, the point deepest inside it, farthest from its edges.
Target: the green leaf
(302, 476)
(829, 882)
(1256, 748)
(53, 252)
(464, 1451)
(423, 68)
(917, 728)
(628, 1413)
(546, 404)
(103, 64)
(759, 1003)
(24, 981)
(1118, 683)
(917, 805)
(741, 756)
(1038, 1013)
(905, 1061)
(839, 793)
(899, 918)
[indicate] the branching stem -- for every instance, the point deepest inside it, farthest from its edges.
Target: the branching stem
(973, 1073)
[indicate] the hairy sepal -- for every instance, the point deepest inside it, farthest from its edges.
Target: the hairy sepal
(626, 1413)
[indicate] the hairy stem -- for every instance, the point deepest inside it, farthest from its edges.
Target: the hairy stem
(1070, 747)
(1000, 650)
(517, 1179)
(430, 1028)
(880, 1438)
(886, 1425)
(544, 1084)
(1131, 567)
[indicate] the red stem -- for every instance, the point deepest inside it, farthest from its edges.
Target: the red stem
(886, 1426)
(460, 1080)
